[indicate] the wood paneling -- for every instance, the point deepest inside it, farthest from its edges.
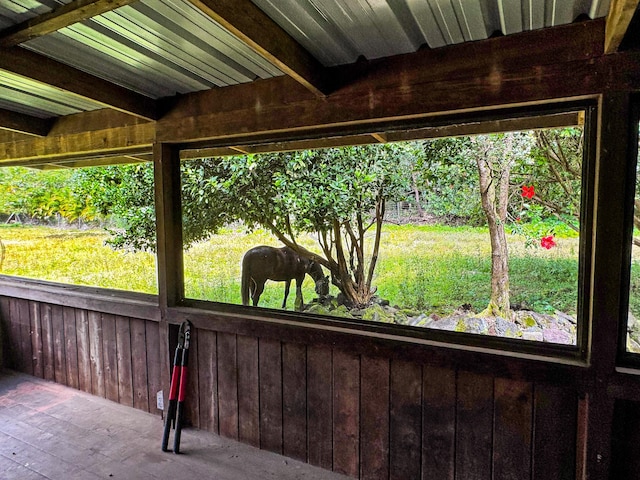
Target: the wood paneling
(405, 422)
(555, 417)
(208, 380)
(346, 413)
(374, 422)
(84, 350)
(139, 364)
(474, 426)
(319, 405)
(626, 437)
(227, 385)
(96, 349)
(46, 314)
(26, 347)
(36, 339)
(70, 346)
(57, 327)
(438, 423)
(270, 395)
(248, 391)
(366, 416)
(110, 356)
(512, 436)
(154, 368)
(123, 360)
(294, 400)
(192, 406)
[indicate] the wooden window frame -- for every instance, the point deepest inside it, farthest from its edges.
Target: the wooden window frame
(177, 306)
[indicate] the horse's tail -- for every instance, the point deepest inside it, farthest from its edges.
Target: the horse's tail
(245, 283)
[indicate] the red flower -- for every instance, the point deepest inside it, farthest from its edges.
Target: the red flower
(528, 192)
(547, 242)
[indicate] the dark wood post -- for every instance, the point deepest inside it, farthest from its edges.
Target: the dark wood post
(166, 161)
(608, 267)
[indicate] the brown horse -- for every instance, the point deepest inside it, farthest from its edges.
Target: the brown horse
(264, 263)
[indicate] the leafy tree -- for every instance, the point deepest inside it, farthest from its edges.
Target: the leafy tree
(42, 195)
(338, 194)
(448, 179)
(125, 194)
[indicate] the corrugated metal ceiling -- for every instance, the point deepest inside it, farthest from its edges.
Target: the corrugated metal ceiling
(162, 47)
(157, 48)
(23, 95)
(338, 32)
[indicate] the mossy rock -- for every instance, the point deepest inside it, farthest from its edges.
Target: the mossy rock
(318, 309)
(377, 313)
(341, 311)
(401, 318)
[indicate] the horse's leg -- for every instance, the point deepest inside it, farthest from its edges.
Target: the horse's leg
(257, 292)
(287, 284)
(299, 302)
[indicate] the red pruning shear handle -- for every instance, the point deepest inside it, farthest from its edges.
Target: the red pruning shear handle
(177, 393)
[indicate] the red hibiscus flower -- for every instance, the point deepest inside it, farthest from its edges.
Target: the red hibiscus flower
(547, 242)
(528, 191)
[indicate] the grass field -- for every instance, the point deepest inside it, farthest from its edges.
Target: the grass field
(431, 268)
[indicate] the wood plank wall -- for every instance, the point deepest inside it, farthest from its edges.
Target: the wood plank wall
(110, 356)
(368, 417)
(375, 418)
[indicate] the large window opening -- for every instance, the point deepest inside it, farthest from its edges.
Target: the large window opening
(65, 225)
(478, 234)
(481, 234)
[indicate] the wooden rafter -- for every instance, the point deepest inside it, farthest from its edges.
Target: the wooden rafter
(21, 123)
(268, 39)
(554, 120)
(59, 18)
(130, 140)
(620, 14)
(32, 65)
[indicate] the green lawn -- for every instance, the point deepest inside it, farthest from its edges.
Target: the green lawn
(430, 268)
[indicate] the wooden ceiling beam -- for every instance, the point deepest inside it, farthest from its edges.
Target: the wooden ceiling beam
(620, 14)
(130, 140)
(21, 123)
(37, 67)
(251, 25)
(57, 19)
(553, 120)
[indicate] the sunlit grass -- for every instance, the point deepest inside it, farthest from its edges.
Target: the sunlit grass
(78, 257)
(430, 268)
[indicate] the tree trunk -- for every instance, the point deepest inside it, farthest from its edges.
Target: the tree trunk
(494, 183)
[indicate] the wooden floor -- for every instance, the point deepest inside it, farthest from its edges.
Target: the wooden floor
(55, 432)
